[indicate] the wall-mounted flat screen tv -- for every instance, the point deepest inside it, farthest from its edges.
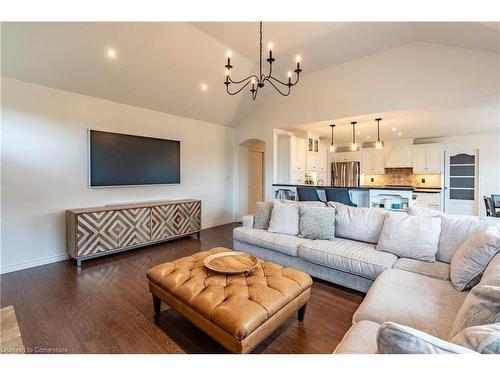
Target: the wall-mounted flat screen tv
(123, 159)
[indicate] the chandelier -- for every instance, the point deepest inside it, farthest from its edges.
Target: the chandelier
(259, 81)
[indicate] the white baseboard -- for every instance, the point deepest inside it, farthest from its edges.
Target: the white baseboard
(57, 258)
(32, 263)
(217, 223)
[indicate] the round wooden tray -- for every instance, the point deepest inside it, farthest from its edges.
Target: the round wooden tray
(231, 262)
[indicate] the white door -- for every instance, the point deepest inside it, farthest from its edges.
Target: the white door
(255, 180)
(461, 181)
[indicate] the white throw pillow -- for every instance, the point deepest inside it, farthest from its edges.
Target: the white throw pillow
(411, 237)
(483, 339)
(358, 223)
(455, 229)
(284, 219)
(472, 258)
(395, 338)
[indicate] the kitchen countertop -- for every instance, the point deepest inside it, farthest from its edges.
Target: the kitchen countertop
(361, 187)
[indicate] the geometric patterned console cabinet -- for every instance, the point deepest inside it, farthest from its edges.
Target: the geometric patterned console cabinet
(98, 231)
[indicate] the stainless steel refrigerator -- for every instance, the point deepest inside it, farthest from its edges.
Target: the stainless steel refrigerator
(345, 174)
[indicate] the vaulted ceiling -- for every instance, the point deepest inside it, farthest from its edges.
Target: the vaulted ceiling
(162, 65)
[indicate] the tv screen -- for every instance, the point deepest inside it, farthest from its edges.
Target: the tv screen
(122, 159)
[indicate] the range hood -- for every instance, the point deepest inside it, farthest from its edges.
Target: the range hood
(399, 154)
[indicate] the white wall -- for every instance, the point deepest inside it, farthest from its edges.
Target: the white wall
(44, 166)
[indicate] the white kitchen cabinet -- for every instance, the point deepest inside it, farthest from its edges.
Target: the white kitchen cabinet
(297, 178)
(428, 200)
(346, 156)
(313, 152)
(372, 161)
(427, 158)
(323, 159)
(298, 154)
(312, 161)
(434, 157)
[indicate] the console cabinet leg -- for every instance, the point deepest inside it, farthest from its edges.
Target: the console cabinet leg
(156, 304)
(302, 313)
(78, 263)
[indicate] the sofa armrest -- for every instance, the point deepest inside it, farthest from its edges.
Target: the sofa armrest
(395, 338)
(247, 221)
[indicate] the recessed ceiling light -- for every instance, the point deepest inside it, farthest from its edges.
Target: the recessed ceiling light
(359, 133)
(394, 129)
(367, 137)
(203, 87)
(111, 53)
(400, 134)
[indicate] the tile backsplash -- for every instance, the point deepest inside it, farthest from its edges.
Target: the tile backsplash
(403, 176)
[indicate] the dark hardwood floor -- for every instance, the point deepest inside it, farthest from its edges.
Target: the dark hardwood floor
(105, 307)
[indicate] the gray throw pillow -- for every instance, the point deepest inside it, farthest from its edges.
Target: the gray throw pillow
(395, 338)
(483, 339)
(414, 237)
(317, 223)
(471, 259)
(263, 215)
(284, 219)
(480, 307)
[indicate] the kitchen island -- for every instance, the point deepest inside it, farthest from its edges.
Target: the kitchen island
(394, 198)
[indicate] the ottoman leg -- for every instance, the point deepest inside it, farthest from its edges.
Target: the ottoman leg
(302, 312)
(156, 304)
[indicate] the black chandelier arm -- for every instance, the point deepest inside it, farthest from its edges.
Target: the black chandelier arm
(238, 91)
(283, 83)
(243, 80)
(277, 89)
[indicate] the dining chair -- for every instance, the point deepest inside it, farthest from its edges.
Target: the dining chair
(495, 204)
(488, 205)
(308, 194)
(339, 195)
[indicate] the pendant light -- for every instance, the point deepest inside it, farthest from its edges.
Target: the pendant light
(379, 143)
(354, 146)
(332, 146)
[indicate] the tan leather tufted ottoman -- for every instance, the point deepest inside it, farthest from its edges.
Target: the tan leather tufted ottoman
(237, 311)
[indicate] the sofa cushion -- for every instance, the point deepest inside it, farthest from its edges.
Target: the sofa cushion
(355, 257)
(482, 306)
(438, 270)
(263, 215)
(491, 275)
(395, 338)
(414, 237)
(407, 298)
(455, 229)
(317, 223)
(284, 219)
(358, 223)
(471, 259)
(360, 339)
(483, 339)
(281, 243)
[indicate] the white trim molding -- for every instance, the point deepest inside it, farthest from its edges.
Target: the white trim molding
(32, 263)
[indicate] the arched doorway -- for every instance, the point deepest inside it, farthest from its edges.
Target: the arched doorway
(251, 176)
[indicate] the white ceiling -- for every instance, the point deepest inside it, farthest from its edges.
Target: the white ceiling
(454, 118)
(162, 65)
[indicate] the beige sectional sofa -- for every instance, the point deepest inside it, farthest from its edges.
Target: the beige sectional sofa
(409, 292)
